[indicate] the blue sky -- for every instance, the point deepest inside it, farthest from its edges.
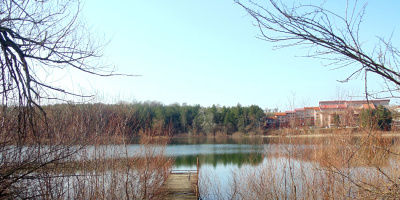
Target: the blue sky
(206, 52)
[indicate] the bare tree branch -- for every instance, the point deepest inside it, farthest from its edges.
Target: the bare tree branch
(328, 35)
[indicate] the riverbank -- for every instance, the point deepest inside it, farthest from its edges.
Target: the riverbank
(358, 134)
(295, 133)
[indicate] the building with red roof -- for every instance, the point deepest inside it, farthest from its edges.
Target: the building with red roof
(345, 113)
(328, 113)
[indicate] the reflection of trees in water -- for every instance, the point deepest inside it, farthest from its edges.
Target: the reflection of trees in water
(346, 151)
(219, 159)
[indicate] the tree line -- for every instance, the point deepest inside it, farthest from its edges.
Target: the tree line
(195, 119)
(157, 119)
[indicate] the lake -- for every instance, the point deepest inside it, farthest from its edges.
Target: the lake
(341, 166)
(273, 167)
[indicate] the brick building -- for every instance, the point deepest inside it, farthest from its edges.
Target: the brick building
(328, 114)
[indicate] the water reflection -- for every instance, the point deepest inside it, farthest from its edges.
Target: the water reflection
(286, 167)
(236, 159)
(240, 151)
(235, 152)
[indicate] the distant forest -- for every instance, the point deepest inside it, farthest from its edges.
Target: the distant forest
(156, 119)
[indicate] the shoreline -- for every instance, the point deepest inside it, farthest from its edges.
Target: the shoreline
(284, 135)
(332, 135)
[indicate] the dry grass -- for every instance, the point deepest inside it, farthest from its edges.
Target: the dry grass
(237, 134)
(343, 166)
(129, 177)
(72, 155)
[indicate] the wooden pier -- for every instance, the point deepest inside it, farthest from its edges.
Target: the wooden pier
(182, 184)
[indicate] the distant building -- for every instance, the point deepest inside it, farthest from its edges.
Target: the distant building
(299, 117)
(311, 115)
(282, 120)
(271, 122)
(328, 110)
(328, 114)
(345, 113)
(396, 117)
(291, 117)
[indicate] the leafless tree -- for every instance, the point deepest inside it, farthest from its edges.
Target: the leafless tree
(39, 36)
(328, 36)
(336, 39)
(36, 37)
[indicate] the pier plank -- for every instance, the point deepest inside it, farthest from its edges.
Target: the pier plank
(181, 186)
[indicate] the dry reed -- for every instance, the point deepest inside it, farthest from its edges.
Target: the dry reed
(342, 166)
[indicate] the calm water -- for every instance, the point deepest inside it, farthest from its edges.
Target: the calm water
(221, 152)
(227, 152)
(224, 153)
(220, 158)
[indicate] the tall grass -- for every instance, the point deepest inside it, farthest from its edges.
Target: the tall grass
(71, 154)
(344, 166)
(122, 176)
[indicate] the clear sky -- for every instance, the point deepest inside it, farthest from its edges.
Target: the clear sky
(206, 52)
